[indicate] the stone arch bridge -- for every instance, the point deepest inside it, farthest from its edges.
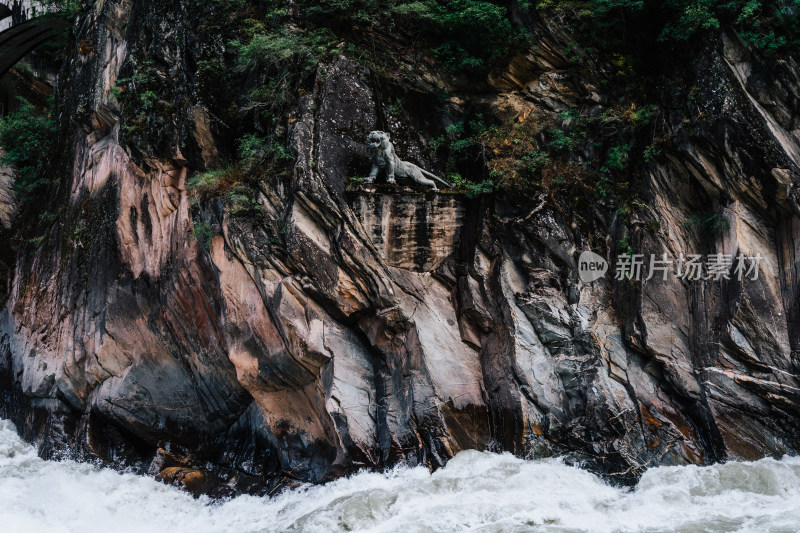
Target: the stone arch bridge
(23, 30)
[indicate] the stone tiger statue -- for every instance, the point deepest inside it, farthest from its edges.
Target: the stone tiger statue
(384, 157)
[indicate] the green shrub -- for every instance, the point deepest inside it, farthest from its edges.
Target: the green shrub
(535, 160)
(769, 25)
(273, 49)
(695, 16)
(148, 100)
(472, 189)
(618, 157)
(253, 150)
(713, 224)
(204, 233)
(285, 57)
(769, 41)
(463, 34)
(354, 181)
(242, 201)
(642, 115)
(561, 140)
(473, 32)
(27, 136)
(255, 157)
(24, 68)
(145, 99)
(477, 189)
(515, 161)
(206, 182)
(651, 152)
(653, 226)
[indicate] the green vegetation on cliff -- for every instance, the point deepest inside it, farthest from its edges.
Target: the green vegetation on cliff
(769, 25)
(463, 34)
(27, 138)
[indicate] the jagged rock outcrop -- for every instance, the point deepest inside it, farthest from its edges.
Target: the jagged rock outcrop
(340, 329)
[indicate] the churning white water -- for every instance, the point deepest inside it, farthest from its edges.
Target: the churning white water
(475, 492)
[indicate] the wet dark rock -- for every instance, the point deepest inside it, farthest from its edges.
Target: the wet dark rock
(338, 330)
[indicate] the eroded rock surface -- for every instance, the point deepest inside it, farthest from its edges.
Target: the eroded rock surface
(338, 330)
(414, 232)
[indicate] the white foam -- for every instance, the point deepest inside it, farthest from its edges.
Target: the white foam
(475, 492)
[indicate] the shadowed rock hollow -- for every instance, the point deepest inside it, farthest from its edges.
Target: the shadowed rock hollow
(335, 330)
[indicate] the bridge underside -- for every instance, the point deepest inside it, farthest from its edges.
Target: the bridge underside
(17, 41)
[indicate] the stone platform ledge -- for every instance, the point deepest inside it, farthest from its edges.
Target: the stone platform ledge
(414, 230)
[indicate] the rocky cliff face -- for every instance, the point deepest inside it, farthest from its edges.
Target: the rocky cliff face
(334, 330)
